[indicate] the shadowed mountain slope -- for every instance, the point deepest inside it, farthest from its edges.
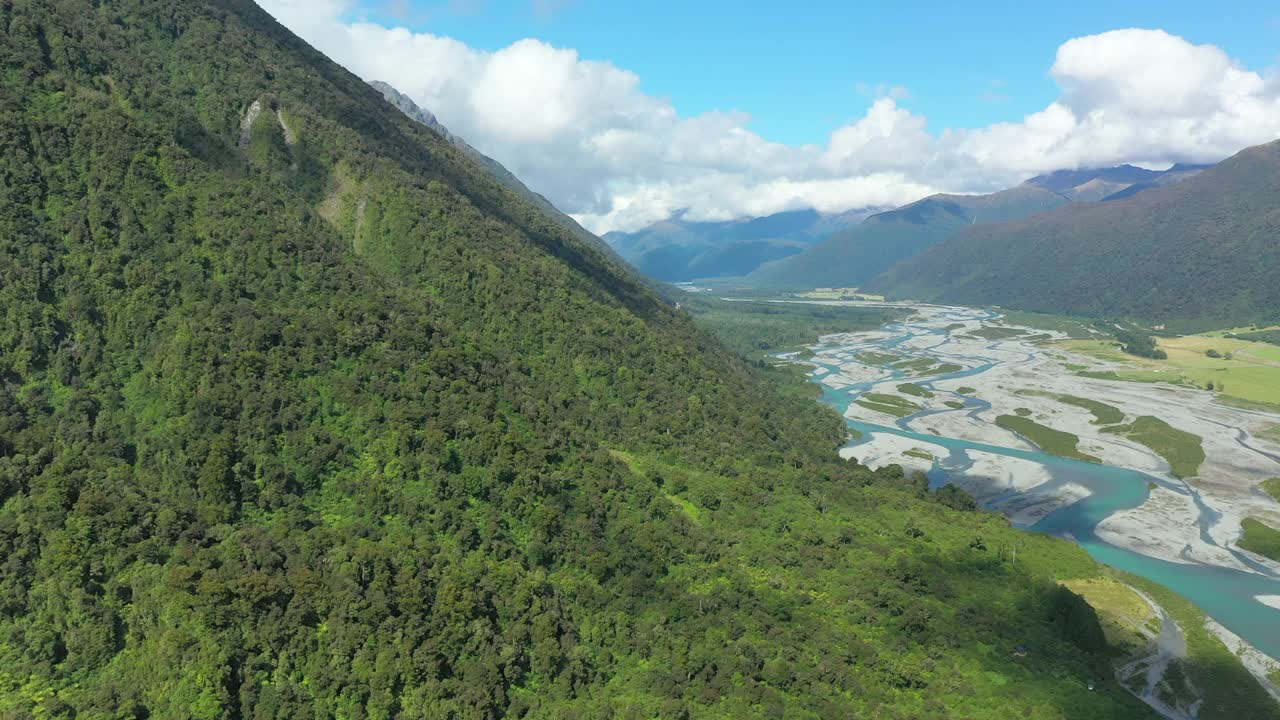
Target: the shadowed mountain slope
(854, 256)
(1202, 252)
(677, 249)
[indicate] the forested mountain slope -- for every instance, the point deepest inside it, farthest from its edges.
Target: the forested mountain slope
(852, 257)
(304, 415)
(1196, 254)
(489, 165)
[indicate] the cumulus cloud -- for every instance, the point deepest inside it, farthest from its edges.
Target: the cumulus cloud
(1133, 95)
(585, 134)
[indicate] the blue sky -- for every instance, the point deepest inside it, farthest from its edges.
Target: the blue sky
(803, 69)
(624, 113)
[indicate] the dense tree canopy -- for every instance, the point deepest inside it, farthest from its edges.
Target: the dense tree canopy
(305, 416)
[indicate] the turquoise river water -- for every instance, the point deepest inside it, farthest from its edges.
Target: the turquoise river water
(1227, 595)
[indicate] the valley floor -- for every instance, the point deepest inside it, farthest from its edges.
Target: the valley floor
(961, 374)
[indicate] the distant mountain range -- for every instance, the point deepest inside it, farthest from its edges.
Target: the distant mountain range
(855, 255)
(858, 254)
(1111, 183)
(677, 249)
(1197, 248)
(1191, 246)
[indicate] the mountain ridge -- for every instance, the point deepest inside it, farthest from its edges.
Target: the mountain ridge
(856, 255)
(1134, 256)
(500, 173)
(675, 249)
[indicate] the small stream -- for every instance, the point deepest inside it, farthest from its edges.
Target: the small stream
(1227, 595)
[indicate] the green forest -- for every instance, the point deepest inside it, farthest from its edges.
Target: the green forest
(1193, 256)
(304, 415)
(760, 328)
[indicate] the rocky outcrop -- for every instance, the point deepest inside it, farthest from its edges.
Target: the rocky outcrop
(246, 122)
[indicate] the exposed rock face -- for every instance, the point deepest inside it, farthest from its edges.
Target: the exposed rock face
(289, 138)
(410, 108)
(246, 123)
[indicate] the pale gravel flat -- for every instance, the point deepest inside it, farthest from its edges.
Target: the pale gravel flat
(858, 373)
(1029, 508)
(958, 424)
(1007, 473)
(882, 449)
(1027, 497)
(1166, 526)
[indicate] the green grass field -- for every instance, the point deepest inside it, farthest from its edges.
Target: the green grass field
(888, 404)
(993, 332)
(966, 390)
(914, 389)
(876, 358)
(1253, 334)
(1272, 488)
(1054, 442)
(954, 404)
(847, 293)
(1141, 376)
(1103, 414)
(1272, 432)
(1122, 612)
(919, 364)
(1252, 373)
(1260, 538)
(1239, 330)
(1181, 449)
(1073, 327)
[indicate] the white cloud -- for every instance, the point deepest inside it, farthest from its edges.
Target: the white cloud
(1147, 72)
(1134, 96)
(887, 137)
(586, 135)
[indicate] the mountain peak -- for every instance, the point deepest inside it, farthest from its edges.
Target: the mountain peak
(1063, 181)
(412, 109)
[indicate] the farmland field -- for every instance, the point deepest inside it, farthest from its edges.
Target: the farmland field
(1251, 373)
